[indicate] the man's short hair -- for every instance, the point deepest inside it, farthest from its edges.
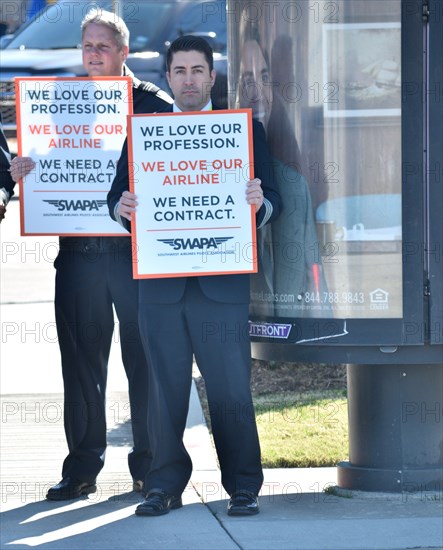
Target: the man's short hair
(189, 43)
(110, 20)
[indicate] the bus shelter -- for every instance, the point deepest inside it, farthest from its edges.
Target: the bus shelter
(350, 96)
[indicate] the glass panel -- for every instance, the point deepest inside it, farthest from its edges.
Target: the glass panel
(324, 79)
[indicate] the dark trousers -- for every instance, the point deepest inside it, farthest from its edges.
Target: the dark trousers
(87, 287)
(217, 334)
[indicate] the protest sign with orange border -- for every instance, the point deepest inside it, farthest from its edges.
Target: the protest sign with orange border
(74, 129)
(189, 172)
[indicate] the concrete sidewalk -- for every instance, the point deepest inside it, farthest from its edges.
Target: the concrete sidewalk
(296, 513)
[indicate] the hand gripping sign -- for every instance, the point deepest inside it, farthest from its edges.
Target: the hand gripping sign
(189, 172)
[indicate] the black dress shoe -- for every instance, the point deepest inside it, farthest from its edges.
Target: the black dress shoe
(243, 503)
(158, 503)
(69, 488)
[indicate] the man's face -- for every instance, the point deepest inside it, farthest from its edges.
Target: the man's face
(255, 87)
(101, 54)
(190, 80)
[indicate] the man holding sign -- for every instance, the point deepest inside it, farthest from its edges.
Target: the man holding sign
(94, 274)
(204, 316)
(6, 182)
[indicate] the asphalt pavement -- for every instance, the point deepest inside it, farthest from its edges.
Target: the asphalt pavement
(296, 512)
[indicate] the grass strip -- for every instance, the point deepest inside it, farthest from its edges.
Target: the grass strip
(302, 430)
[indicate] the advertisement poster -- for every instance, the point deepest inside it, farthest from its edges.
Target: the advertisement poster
(189, 172)
(73, 129)
(331, 111)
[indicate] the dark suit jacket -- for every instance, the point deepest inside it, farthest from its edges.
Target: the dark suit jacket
(222, 288)
(146, 98)
(6, 180)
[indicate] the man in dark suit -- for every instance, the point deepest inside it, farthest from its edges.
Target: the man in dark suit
(204, 316)
(7, 183)
(94, 275)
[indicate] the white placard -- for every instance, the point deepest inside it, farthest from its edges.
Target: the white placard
(74, 129)
(189, 172)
